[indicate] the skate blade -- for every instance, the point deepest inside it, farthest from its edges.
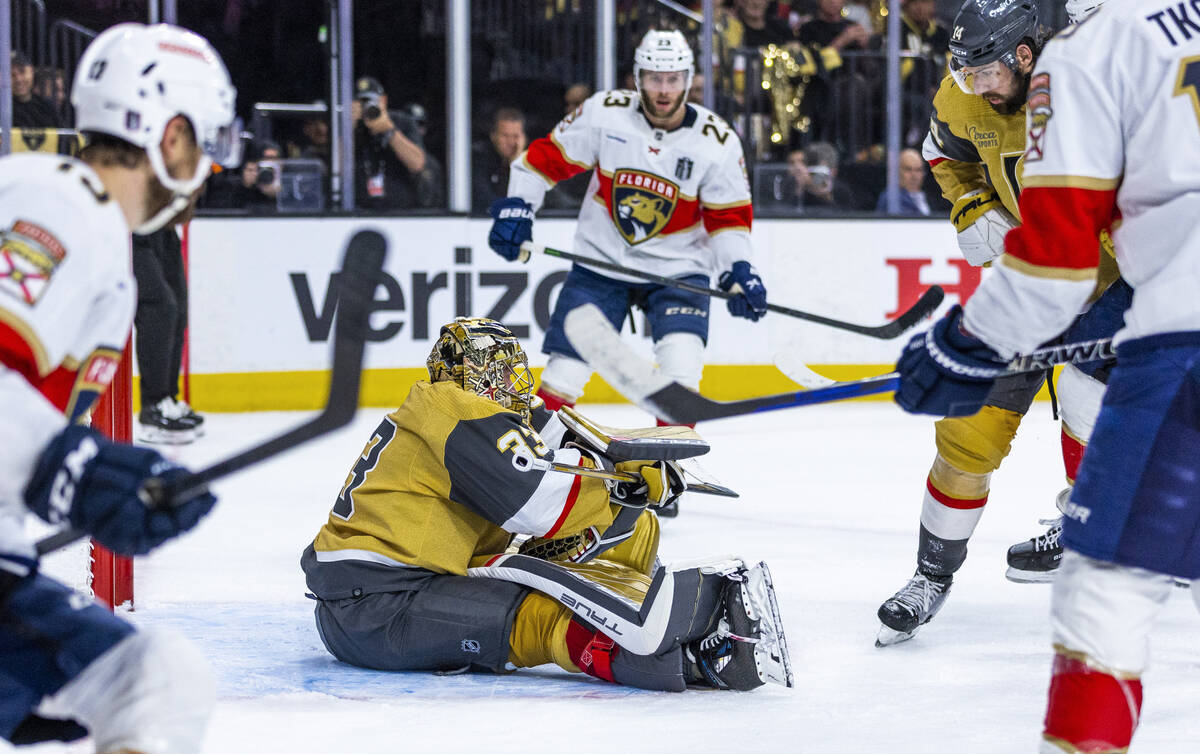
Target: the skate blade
(771, 656)
(890, 636)
(1018, 576)
(156, 436)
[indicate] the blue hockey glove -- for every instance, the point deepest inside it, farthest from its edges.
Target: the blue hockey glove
(512, 225)
(92, 482)
(752, 303)
(1102, 320)
(946, 371)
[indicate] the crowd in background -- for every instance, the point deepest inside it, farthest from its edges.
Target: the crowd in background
(801, 81)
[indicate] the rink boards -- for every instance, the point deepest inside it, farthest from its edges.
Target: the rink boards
(261, 313)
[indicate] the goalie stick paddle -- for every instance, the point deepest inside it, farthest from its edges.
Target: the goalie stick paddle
(924, 306)
(360, 273)
(604, 350)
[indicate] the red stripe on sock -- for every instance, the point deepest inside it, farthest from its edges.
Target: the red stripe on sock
(1072, 453)
(1090, 709)
(954, 502)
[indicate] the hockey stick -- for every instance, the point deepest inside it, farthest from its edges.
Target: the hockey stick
(360, 272)
(918, 311)
(601, 346)
(524, 462)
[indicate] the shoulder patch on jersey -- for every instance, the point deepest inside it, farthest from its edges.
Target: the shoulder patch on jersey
(29, 255)
(1040, 111)
(642, 204)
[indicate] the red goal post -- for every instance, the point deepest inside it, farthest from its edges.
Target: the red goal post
(111, 576)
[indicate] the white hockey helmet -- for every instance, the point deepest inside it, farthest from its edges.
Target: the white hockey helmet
(663, 51)
(1077, 10)
(133, 79)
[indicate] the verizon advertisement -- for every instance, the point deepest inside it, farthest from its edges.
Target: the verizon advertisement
(262, 301)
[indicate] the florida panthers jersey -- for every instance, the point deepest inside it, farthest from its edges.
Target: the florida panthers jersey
(1114, 137)
(67, 299)
(670, 202)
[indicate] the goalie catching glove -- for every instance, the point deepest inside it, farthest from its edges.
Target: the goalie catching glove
(982, 222)
(94, 484)
(661, 484)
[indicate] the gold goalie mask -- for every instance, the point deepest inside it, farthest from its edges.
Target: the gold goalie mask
(482, 356)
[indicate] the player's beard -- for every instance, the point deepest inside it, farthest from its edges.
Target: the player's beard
(159, 196)
(1013, 104)
(649, 108)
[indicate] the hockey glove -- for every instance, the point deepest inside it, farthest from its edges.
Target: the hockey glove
(512, 225)
(742, 279)
(982, 222)
(93, 483)
(946, 371)
(662, 483)
(1102, 320)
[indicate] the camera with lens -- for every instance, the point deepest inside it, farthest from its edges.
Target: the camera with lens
(267, 174)
(368, 91)
(370, 105)
(820, 176)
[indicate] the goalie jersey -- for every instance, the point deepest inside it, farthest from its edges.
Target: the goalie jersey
(67, 299)
(673, 203)
(1114, 131)
(436, 486)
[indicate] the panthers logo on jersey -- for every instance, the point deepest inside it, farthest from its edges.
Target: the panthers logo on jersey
(642, 204)
(29, 254)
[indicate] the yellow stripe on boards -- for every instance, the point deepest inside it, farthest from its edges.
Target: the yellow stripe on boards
(386, 388)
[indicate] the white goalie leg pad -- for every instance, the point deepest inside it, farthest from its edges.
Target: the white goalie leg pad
(152, 693)
(566, 376)
(1079, 399)
(680, 356)
(1105, 611)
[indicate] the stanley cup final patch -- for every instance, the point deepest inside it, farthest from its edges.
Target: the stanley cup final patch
(1039, 109)
(642, 204)
(29, 255)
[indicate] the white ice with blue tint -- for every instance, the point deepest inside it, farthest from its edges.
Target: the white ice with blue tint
(830, 499)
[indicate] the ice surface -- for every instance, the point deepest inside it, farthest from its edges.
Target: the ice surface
(830, 499)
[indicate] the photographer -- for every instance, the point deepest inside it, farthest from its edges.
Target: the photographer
(255, 187)
(392, 169)
(813, 188)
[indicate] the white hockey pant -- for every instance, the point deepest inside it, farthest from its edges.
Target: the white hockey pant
(151, 693)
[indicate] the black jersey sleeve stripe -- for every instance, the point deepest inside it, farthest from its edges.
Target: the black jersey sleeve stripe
(953, 146)
(482, 475)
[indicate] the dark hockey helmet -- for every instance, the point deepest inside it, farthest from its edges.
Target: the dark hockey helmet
(987, 31)
(482, 356)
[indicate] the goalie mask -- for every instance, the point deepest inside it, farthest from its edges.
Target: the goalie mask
(482, 356)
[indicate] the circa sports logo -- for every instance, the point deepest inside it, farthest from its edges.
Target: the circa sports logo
(29, 254)
(642, 204)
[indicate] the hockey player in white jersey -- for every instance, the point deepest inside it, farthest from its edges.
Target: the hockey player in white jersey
(669, 195)
(1113, 141)
(156, 107)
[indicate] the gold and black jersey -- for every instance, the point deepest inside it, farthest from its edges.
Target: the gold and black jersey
(435, 486)
(971, 146)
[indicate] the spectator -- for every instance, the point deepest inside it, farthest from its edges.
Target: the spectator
(29, 109)
(924, 34)
(255, 187)
(160, 322)
(831, 29)
(51, 83)
(490, 159)
(812, 187)
(913, 202)
(758, 28)
(316, 133)
(391, 170)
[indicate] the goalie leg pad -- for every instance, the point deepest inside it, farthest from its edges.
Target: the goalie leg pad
(450, 623)
(644, 616)
(151, 692)
(599, 656)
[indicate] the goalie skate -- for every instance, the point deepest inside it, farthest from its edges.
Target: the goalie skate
(912, 607)
(748, 647)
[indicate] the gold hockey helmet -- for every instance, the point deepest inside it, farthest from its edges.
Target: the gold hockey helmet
(482, 356)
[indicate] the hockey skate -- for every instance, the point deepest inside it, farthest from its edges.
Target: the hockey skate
(188, 414)
(748, 648)
(164, 424)
(1036, 560)
(912, 607)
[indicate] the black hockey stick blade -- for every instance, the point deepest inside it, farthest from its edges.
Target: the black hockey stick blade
(602, 348)
(360, 273)
(918, 311)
